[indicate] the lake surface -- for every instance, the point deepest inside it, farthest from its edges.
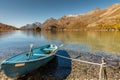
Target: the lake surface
(12, 42)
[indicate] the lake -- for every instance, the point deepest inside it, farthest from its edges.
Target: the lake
(13, 42)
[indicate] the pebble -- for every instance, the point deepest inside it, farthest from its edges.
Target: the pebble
(70, 70)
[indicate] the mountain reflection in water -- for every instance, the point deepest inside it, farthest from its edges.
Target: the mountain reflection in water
(105, 41)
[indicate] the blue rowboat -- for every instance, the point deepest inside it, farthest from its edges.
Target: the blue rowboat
(26, 62)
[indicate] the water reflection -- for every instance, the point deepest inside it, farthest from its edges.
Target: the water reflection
(82, 42)
(32, 33)
(105, 41)
(4, 34)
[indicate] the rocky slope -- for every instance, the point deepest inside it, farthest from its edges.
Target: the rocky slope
(7, 27)
(48, 23)
(97, 19)
(31, 26)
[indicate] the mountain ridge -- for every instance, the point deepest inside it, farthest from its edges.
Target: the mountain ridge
(31, 26)
(4, 27)
(107, 19)
(97, 19)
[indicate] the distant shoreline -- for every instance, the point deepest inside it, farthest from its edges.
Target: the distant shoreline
(67, 29)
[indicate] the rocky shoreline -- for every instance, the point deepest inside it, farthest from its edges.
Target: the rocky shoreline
(63, 69)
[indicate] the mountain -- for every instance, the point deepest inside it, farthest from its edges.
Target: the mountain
(109, 17)
(97, 19)
(48, 23)
(31, 26)
(7, 27)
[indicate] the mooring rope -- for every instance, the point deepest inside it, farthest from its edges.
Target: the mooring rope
(78, 60)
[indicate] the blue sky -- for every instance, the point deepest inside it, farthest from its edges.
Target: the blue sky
(21, 12)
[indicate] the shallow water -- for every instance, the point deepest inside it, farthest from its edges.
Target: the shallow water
(88, 46)
(12, 42)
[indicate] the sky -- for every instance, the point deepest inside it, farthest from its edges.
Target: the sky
(21, 12)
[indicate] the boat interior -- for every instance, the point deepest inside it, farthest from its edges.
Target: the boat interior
(34, 54)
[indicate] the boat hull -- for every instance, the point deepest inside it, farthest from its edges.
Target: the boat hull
(21, 64)
(24, 68)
